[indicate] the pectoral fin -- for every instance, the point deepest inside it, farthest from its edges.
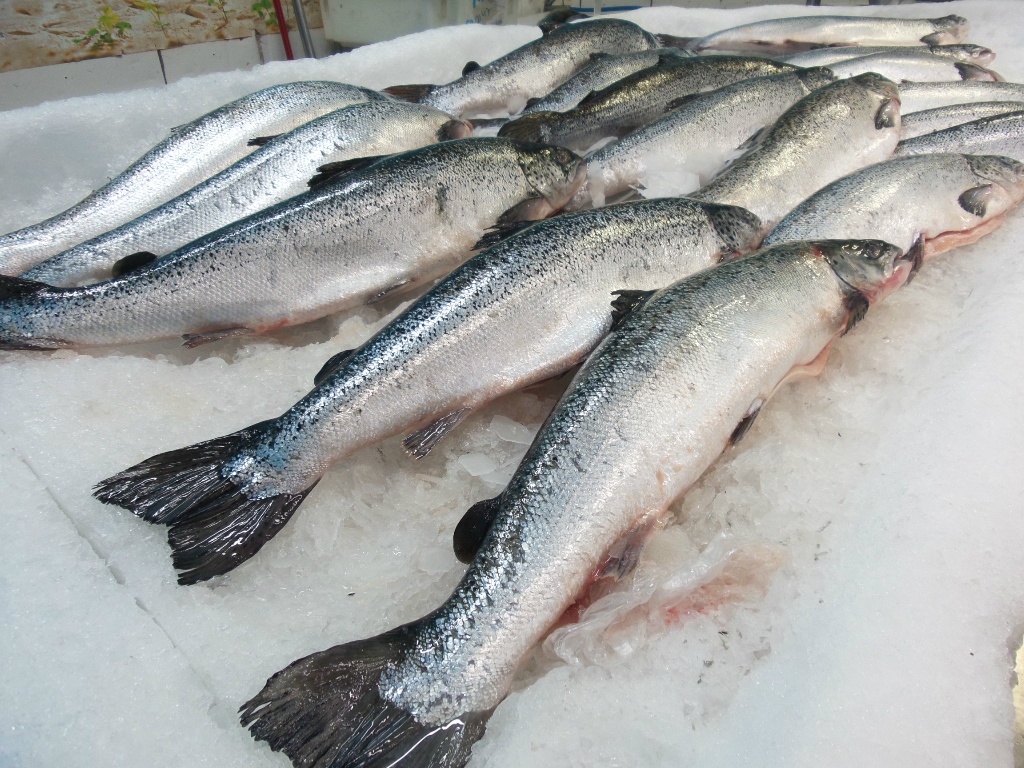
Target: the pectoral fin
(422, 441)
(473, 528)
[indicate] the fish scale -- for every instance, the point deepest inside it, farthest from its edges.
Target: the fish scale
(192, 153)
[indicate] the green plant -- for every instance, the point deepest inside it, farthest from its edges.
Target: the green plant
(108, 27)
(153, 9)
(265, 10)
(221, 5)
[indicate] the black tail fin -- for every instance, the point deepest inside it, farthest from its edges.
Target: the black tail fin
(413, 93)
(326, 711)
(215, 527)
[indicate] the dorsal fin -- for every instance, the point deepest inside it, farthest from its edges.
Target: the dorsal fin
(132, 263)
(626, 303)
(341, 167)
(413, 93)
(259, 141)
(334, 362)
(558, 17)
(531, 102)
(13, 287)
(471, 66)
(473, 528)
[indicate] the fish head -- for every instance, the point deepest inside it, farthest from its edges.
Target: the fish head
(871, 268)
(948, 30)
(1000, 186)
(814, 78)
(553, 173)
(978, 54)
(740, 230)
(533, 127)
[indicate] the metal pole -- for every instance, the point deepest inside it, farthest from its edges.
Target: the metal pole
(300, 22)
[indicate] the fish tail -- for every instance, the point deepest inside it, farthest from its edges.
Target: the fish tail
(327, 711)
(214, 526)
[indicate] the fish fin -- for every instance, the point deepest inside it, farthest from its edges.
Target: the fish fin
(193, 340)
(528, 210)
(132, 263)
(381, 295)
(471, 66)
(413, 93)
(15, 287)
(671, 41)
(535, 100)
(627, 302)
(340, 167)
(488, 122)
(916, 255)
(327, 710)
(756, 138)
(214, 526)
(624, 555)
(589, 99)
(599, 56)
(419, 443)
(746, 422)
(559, 18)
(454, 129)
(259, 141)
(501, 232)
(857, 305)
(473, 528)
(681, 101)
(975, 200)
(333, 363)
(532, 127)
(888, 114)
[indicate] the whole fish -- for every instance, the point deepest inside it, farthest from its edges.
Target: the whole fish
(638, 99)
(914, 65)
(401, 221)
(824, 136)
(193, 152)
(823, 57)
(648, 413)
(932, 120)
(998, 135)
(696, 138)
(915, 97)
(276, 171)
(929, 203)
(602, 72)
(532, 70)
(524, 310)
(802, 32)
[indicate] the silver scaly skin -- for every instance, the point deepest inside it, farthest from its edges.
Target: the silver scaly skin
(825, 136)
(638, 99)
(192, 153)
(648, 413)
(916, 66)
(823, 57)
(802, 32)
(998, 135)
(698, 137)
(400, 222)
(935, 202)
(604, 71)
(938, 119)
(537, 68)
(274, 172)
(526, 309)
(916, 97)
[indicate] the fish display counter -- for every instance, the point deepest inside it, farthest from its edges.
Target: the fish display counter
(842, 587)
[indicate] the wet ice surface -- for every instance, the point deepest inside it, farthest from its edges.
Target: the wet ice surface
(842, 589)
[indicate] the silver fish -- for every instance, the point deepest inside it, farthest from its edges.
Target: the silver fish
(649, 412)
(524, 310)
(929, 203)
(192, 153)
(697, 137)
(802, 32)
(915, 97)
(823, 57)
(825, 136)
(532, 70)
(402, 221)
(638, 99)
(940, 118)
(998, 135)
(914, 65)
(604, 71)
(274, 172)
